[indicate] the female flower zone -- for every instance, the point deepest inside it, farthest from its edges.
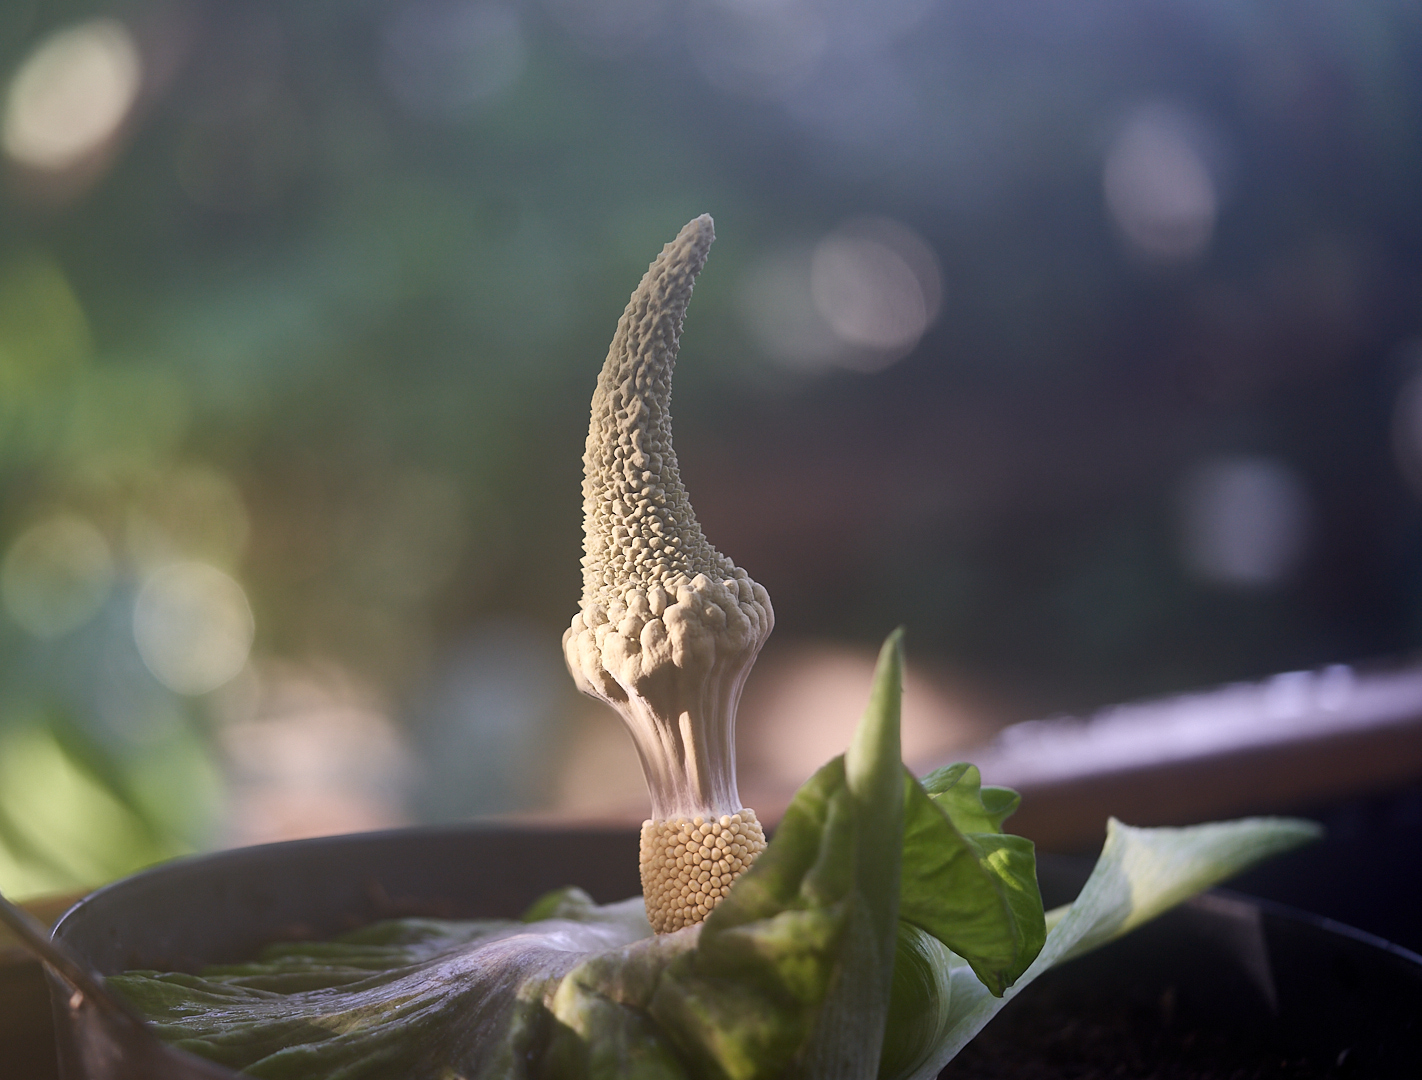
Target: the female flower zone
(669, 627)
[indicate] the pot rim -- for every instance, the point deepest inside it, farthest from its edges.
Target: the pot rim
(227, 857)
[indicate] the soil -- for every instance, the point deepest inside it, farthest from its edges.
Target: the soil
(1038, 1038)
(1215, 990)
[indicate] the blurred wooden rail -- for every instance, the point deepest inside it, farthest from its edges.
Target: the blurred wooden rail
(1292, 741)
(1299, 739)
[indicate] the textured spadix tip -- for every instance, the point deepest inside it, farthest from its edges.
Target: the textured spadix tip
(656, 594)
(638, 525)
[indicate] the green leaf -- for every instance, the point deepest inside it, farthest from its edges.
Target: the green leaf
(920, 1012)
(1140, 874)
(573, 903)
(850, 1027)
(395, 1000)
(601, 1027)
(975, 891)
(958, 791)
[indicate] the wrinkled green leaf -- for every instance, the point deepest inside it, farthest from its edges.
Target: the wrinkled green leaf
(397, 999)
(972, 808)
(968, 884)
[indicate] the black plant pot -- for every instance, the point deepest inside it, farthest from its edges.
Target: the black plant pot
(1224, 987)
(1222, 983)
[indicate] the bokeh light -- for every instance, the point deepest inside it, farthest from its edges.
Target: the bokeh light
(778, 308)
(803, 707)
(309, 751)
(763, 47)
(443, 59)
(1245, 521)
(859, 299)
(193, 626)
(1158, 184)
(70, 96)
(56, 575)
(877, 285)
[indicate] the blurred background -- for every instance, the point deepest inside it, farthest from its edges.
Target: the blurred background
(1084, 339)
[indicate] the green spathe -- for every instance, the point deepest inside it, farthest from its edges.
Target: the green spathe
(872, 939)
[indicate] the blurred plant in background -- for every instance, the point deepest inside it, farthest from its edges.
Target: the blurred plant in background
(117, 609)
(1079, 337)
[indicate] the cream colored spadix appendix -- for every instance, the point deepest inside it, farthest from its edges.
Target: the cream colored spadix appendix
(669, 627)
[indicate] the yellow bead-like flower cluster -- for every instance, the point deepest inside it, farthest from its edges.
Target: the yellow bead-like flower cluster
(688, 864)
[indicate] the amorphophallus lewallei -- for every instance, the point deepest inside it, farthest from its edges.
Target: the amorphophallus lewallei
(669, 627)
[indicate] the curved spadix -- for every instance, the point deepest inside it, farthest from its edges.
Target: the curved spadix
(669, 627)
